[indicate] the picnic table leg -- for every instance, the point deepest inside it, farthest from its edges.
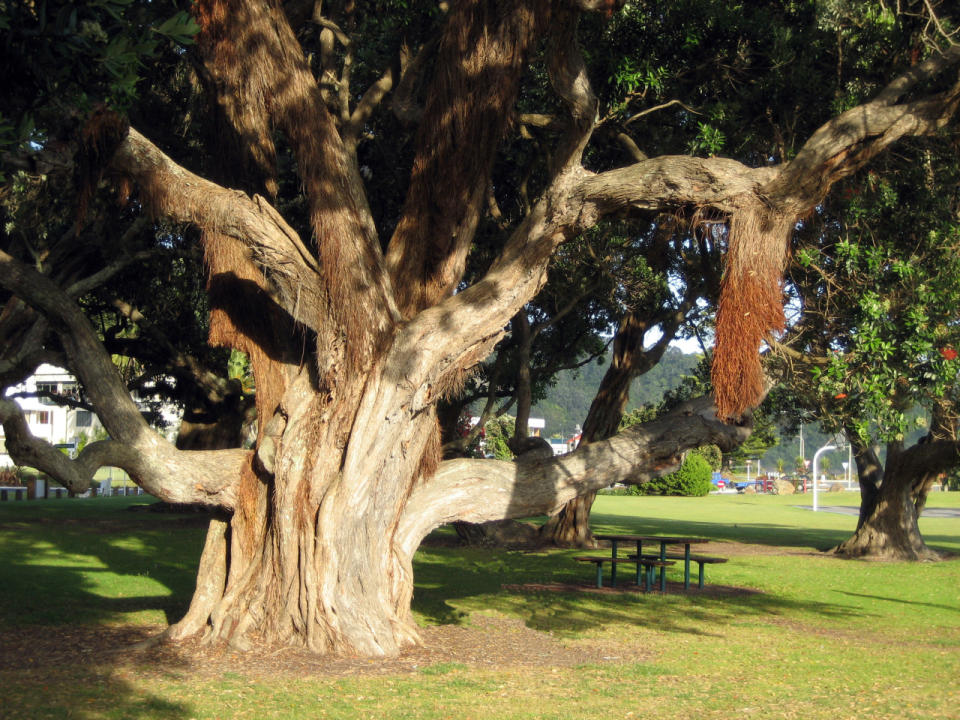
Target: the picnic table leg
(700, 576)
(663, 569)
(600, 574)
(686, 566)
(639, 563)
(613, 565)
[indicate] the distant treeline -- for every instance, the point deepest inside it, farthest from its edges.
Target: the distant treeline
(568, 401)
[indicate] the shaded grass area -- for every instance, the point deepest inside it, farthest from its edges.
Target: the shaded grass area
(96, 560)
(817, 637)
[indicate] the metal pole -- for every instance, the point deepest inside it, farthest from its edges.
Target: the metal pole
(849, 465)
(803, 453)
(816, 460)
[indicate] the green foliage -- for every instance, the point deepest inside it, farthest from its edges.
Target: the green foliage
(59, 54)
(712, 454)
(877, 277)
(497, 433)
(692, 479)
(567, 402)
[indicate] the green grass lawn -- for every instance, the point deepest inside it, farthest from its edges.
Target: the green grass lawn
(818, 637)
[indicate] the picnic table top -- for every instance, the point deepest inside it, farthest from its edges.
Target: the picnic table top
(668, 539)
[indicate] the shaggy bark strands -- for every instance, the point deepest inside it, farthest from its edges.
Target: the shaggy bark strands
(274, 67)
(235, 284)
(480, 57)
(751, 305)
(241, 93)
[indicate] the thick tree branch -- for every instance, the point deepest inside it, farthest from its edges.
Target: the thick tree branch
(849, 141)
(351, 129)
(927, 458)
(672, 181)
(33, 452)
(479, 61)
(152, 462)
(483, 490)
(171, 190)
(569, 78)
(252, 52)
(214, 387)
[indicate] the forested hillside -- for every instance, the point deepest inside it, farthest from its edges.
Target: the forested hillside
(568, 401)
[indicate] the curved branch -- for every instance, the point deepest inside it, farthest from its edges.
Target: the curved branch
(847, 142)
(183, 365)
(153, 463)
(483, 490)
(374, 95)
(175, 192)
(569, 78)
(671, 181)
(926, 458)
(208, 475)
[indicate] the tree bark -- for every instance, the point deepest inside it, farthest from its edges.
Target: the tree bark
(887, 528)
(320, 522)
(571, 526)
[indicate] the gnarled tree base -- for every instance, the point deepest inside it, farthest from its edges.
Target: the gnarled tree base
(889, 532)
(571, 526)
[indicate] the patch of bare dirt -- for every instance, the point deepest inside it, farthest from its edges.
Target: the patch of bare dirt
(494, 642)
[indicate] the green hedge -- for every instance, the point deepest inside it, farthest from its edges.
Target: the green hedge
(693, 478)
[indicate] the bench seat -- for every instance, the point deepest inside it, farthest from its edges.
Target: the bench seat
(701, 560)
(646, 563)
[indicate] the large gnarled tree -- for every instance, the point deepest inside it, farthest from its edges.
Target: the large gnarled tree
(353, 339)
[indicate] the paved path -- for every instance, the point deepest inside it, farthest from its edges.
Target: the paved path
(853, 510)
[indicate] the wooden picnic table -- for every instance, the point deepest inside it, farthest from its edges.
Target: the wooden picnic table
(664, 540)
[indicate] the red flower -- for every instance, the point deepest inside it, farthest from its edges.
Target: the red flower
(949, 353)
(840, 396)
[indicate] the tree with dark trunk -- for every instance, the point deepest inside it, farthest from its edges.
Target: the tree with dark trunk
(353, 338)
(894, 493)
(632, 357)
(872, 355)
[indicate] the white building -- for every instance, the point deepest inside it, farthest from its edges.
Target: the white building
(59, 424)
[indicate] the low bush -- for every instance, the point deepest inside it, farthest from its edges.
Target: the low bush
(693, 479)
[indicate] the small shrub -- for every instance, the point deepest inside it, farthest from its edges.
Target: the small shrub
(693, 479)
(712, 454)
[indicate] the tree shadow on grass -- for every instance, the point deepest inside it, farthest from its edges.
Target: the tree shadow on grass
(94, 561)
(72, 573)
(444, 576)
(938, 606)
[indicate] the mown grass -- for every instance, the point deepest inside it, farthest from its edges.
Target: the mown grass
(820, 637)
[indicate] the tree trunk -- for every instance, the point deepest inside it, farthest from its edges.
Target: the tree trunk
(308, 556)
(571, 526)
(887, 528)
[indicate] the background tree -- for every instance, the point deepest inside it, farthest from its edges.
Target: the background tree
(356, 330)
(687, 260)
(872, 354)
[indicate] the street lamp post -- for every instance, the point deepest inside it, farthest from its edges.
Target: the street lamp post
(816, 459)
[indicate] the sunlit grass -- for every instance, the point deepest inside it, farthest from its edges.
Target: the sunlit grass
(818, 638)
